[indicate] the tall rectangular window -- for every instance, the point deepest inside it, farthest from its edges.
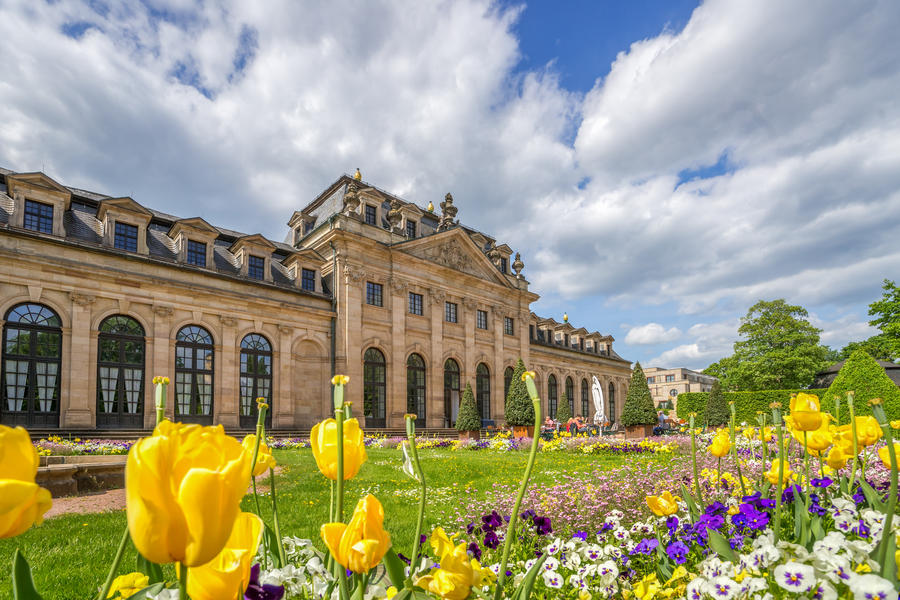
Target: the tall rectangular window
(370, 214)
(196, 253)
(481, 319)
(374, 294)
(256, 267)
(503, 265)
(450, 312)
(415, 303)
(38, 216)
(508, 326)
(126, 237)
(308, 280)
(410, 229)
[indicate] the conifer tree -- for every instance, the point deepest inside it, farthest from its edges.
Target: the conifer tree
(564, 412)
(468, 418)
(639, 408)
(717, 413)
(519, 410)
(866, 378)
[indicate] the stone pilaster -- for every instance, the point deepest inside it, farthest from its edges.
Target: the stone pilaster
(227, 374)
(436, 414)
(282, 385)
(396, 399)
(81, 371)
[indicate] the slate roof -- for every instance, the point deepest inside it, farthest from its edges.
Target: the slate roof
(81, 224)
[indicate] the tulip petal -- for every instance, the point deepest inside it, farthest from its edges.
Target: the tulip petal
(332, 533)
(155, 520)
(22, 504)
(18, 457)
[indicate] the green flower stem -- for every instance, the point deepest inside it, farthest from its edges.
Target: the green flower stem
(852, 410)
(260, 432)
(806, 470)
(182, 582)
(115, 566)
(511, 528)
(765, 446)
(878, 410)
(734, 455)
(411, 437)
(776, 420)
(694, 460)
(339, 502)
(281, 553)
(331, 504)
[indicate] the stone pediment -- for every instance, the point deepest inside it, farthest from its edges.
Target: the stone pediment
(454, 249)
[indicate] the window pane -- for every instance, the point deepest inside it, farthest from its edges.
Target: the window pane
(16, 382)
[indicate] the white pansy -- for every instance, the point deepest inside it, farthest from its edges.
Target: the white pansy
(572, 560)
(592, 552)
(608, 571)
(696, 589)
(553, 547)
(831, 543)
(823, 590)
(552, 579)
(612, 551)
(872, 587)
(551, 564)
(723, 588)
(495, 568)
(168, 594)
(795, 577)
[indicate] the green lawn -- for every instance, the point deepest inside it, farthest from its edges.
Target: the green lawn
(70, 555)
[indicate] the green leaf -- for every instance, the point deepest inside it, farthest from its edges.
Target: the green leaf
(523, 592)
(689, 500)
(154, 589)
(22, 583)
(889, 568)
(816, 527)
(272, 544)
(395, 568)
(152, 570)
(872, 496)
(718, 543)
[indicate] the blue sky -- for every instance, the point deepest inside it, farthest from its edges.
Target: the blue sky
(660, 165)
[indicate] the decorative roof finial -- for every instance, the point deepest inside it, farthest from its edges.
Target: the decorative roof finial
(448, 213)
(430, 207)
(518, 265)
(357, 176)
(565, 317)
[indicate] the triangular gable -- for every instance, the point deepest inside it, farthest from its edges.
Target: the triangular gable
(254, 239)
(124, 203)
(38, 179)
(455, 250)
(198, 223)
(580, 331)
(305, 256)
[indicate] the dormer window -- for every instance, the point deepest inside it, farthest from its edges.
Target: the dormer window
(196, 253)
(410, 229)
(308, 226)
(308, 281)
(256, 267)
(126, 237)
(371, 214)
(38, 216)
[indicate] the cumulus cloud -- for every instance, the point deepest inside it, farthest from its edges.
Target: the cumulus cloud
(651, 333)
(709, 342)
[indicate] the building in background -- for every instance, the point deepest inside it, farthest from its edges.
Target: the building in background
(666, 384)
(98, 294)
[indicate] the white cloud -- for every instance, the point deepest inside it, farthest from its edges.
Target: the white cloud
(710, 342)
(652, 333)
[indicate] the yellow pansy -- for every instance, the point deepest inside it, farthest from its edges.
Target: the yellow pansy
(128, 585)
(360, 545)
(183, 489)
(229, 571)
(457, 573)
(663, 505)
(647, 588)
(323, 440)
(264, 458)
(22, 501)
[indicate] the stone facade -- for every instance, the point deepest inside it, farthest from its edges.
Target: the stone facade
(410, 305)
(666, 384)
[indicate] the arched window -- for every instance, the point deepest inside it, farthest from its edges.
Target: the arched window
(374, 392)
(612, 403)
(32, 352)
(570, 394)
(552, 397)
(483, 391)
(507, 381)
(451, 392)
(120, 373)
(585, 408)
(194, 375)
(255, 378)
(415, 388)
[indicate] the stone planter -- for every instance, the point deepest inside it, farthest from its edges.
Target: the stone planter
(636, 432)
(474, 435)
(522, 431)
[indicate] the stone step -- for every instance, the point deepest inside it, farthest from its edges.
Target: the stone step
(133, 434)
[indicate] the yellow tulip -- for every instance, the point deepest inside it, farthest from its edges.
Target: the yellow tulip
(868, 431)
(816, 440)
(663, 505)
(749, 433)
(362, 544)
(457, 573)
(805, 415)
(323, 439)
(837, 458)
(22, 502)
(895, 424)
(183, 489)
(765, 434)
(885, 456)
(229, 572)
(721, 444)
(772, 473)
(264, 458)
(128, 585)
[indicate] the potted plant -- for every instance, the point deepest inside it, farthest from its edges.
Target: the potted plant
(639, 414)
(519, 410)
(468, 422)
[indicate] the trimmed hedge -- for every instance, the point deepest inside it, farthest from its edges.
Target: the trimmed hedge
(862, 374)
(746, 404)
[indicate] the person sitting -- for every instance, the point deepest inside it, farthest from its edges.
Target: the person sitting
(575, 424)
(549, 424)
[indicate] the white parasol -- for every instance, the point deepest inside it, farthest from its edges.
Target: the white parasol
(597, 391)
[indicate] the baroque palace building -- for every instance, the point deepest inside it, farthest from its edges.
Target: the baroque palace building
(98, 294)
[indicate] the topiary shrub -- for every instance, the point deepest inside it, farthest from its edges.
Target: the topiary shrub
(519, 410)
(866, 378)
(564, 412)
(468, 418)
(746, 404)
(717, 413)
(639, 408)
